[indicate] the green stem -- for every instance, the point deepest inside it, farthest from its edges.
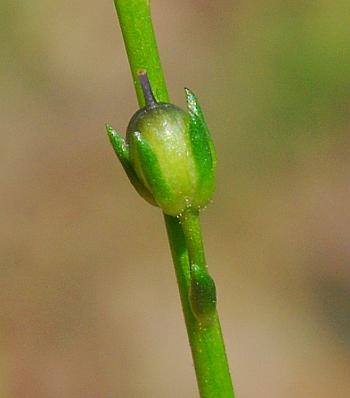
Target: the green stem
(206, 342)
(193, 235)
(141, 46)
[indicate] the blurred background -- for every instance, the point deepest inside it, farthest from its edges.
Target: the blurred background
(89, 306)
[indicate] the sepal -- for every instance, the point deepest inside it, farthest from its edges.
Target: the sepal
(146, 164)
(203, 150)
(121, 149)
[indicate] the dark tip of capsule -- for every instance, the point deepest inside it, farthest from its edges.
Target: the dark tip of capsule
(146, 88)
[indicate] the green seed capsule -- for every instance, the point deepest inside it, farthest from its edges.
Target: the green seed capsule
(170, 158)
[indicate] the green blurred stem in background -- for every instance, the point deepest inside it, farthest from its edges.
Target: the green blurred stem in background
(184, 235)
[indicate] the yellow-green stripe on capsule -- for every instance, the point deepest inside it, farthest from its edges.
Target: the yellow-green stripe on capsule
(168, 153)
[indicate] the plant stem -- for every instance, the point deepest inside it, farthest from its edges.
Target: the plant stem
(207, 344)
(185, 240)
(193, 235)
(141, 46)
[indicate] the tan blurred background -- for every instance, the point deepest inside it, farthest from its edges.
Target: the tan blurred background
(89, 306)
